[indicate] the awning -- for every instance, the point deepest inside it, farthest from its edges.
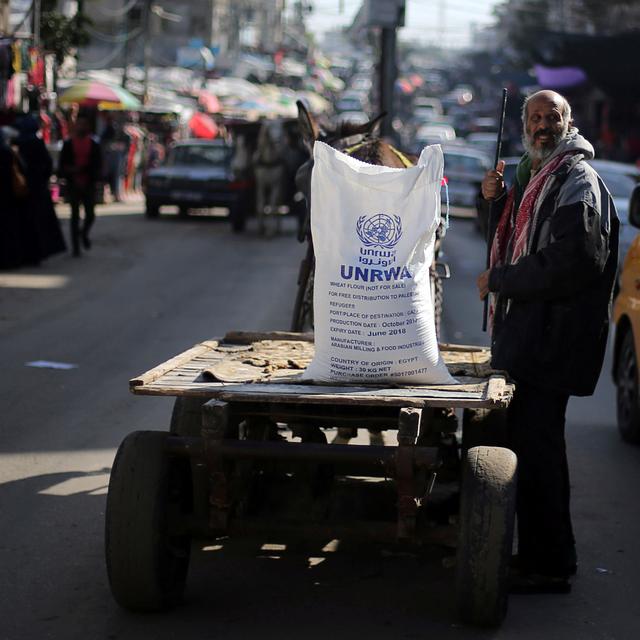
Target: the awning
(559, 77)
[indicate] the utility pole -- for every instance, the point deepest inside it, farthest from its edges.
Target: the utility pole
(146, 55)
(37, 13)
(4, 17)
(125, 51)
(388, 73)
(388, 16)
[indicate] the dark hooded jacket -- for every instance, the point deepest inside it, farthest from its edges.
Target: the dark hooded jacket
(552, 306)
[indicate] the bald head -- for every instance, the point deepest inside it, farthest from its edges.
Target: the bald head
(546, 119)
(547, 96)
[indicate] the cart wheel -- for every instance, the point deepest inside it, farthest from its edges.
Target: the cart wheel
(484, 427)
(487, 515)
(186, 418)
(147, 563)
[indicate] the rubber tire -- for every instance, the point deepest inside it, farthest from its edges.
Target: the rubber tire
(484, 427)
(147, 568)
(487, 515)
(627, 393)
(152, 209)
(186, 417)
(183, 212)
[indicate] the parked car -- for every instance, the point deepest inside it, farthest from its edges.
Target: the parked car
(428, 103)
(621, 179)
(484, 124)
(464, 168)
(485, 141)
(353, 117)
(435, 134)
(352, 101)
(626, 318)
(426, 110)
(199, 174)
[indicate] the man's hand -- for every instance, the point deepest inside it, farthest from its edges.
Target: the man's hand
(493, 182)
(483, 284)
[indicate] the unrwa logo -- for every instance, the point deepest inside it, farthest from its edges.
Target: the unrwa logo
(379, 230)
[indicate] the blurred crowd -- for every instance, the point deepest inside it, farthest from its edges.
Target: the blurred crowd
(82, 158)
(29, 228)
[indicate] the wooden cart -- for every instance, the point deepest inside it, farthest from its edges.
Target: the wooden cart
(247, 452)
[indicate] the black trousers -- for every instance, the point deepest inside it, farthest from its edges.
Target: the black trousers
(85, 196)
(536, 421)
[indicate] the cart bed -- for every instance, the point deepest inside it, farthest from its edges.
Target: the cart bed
(266, 367)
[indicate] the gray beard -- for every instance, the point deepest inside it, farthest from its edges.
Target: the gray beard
(543, 153)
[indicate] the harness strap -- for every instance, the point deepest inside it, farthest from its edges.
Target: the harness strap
(405, 161)
(355, 147)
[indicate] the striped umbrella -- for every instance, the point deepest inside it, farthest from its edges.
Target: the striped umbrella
(109, 97)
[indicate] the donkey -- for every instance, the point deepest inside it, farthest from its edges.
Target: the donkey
(359, 141)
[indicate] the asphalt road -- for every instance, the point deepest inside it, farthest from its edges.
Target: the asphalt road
(150, 289)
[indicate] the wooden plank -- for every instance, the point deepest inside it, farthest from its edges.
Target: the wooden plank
(495, 389)
(445, 346)
(182, 376)
(248, 337)
(165, 367)
(347, 394)
(209, 392)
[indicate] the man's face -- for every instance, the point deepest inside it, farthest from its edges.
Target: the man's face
(545, 126)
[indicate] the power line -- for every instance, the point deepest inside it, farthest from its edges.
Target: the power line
(120, 38)
(110, 57)
(116, 13)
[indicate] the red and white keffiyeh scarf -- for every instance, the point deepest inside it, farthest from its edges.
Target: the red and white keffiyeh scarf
(515, 230)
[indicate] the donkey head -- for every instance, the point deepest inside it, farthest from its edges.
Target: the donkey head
(312, 131)
(338, 138)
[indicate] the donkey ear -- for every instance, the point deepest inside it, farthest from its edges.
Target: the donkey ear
(368, 127)
(308, 126)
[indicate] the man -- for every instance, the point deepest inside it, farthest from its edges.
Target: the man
(553, 263)
(81, 166)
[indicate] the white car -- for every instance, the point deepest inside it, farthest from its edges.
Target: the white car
(620, 178)
(435, 134)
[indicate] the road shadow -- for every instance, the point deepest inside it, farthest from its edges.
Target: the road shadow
(55, 582)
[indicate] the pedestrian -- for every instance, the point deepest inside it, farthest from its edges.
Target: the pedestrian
(553, 262)
(11, 182)
(38, 170)
(113, 142)
(80, 165)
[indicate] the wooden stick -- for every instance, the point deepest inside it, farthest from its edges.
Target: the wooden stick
(503, 108)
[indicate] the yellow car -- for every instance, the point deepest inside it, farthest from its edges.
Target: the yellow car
(626, 317)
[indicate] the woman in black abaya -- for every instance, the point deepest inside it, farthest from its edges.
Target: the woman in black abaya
(11, 255)
(38, 168)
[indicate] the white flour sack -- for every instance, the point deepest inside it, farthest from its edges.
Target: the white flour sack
(373, 232)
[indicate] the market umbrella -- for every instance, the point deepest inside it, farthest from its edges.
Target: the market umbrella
(202, 126)
(89, 93)
(209, 101)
